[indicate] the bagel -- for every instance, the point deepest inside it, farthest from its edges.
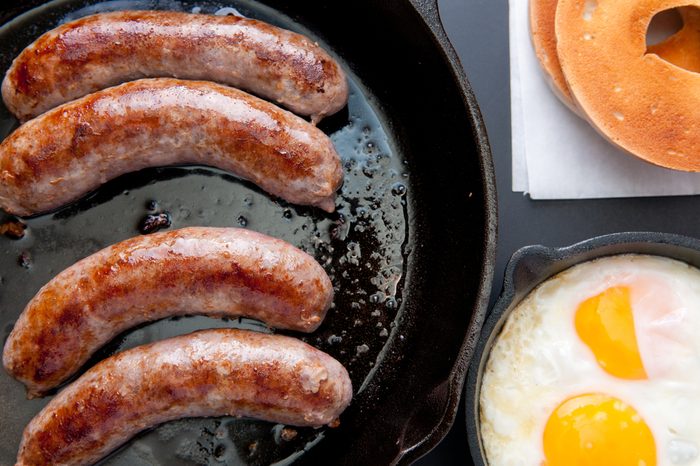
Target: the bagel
(544, 42)
(682, 48)
(642, 103)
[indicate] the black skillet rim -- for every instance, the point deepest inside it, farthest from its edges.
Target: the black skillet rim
(528, 267)
(428, 11)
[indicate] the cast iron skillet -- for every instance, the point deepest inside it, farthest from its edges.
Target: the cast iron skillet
(531, 266)
(410, 250)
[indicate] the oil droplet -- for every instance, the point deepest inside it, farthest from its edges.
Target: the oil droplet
(334, 340)
(242, 221)
(399, 189)
(369, 172)
(354, 254)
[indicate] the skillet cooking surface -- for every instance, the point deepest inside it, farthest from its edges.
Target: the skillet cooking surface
(371, 248)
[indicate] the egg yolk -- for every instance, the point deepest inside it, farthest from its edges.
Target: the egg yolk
(597, 430)
(606, 324)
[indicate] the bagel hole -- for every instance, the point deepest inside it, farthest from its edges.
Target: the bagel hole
(663, 25)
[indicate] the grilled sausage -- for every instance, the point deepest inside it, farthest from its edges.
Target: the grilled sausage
(72, 149)
(107, 49)
(212, 271)
(207, 373)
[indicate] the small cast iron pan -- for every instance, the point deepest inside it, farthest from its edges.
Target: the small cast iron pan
(531, 266)
(410, 249)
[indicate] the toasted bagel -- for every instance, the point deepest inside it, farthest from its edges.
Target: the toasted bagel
(642, 103)
(544, 41)
(682, 48)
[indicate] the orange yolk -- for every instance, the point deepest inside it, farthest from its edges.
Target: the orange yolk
(606, 324)
(597, 430)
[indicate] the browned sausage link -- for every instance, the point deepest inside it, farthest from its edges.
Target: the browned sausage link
(107, 49)
(212, 271)
(69, 151)
(207, 373)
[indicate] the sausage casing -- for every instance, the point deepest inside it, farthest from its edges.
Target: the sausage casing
(213, 271)
(207, 373)
(71, 150)
(103, 50)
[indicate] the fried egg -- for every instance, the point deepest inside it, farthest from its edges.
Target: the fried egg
(598, 366)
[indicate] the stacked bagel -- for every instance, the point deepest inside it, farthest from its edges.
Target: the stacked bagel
(644, 100)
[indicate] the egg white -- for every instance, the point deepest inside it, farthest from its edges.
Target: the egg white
(538, 360)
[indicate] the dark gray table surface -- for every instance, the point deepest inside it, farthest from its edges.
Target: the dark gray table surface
(479, 31)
